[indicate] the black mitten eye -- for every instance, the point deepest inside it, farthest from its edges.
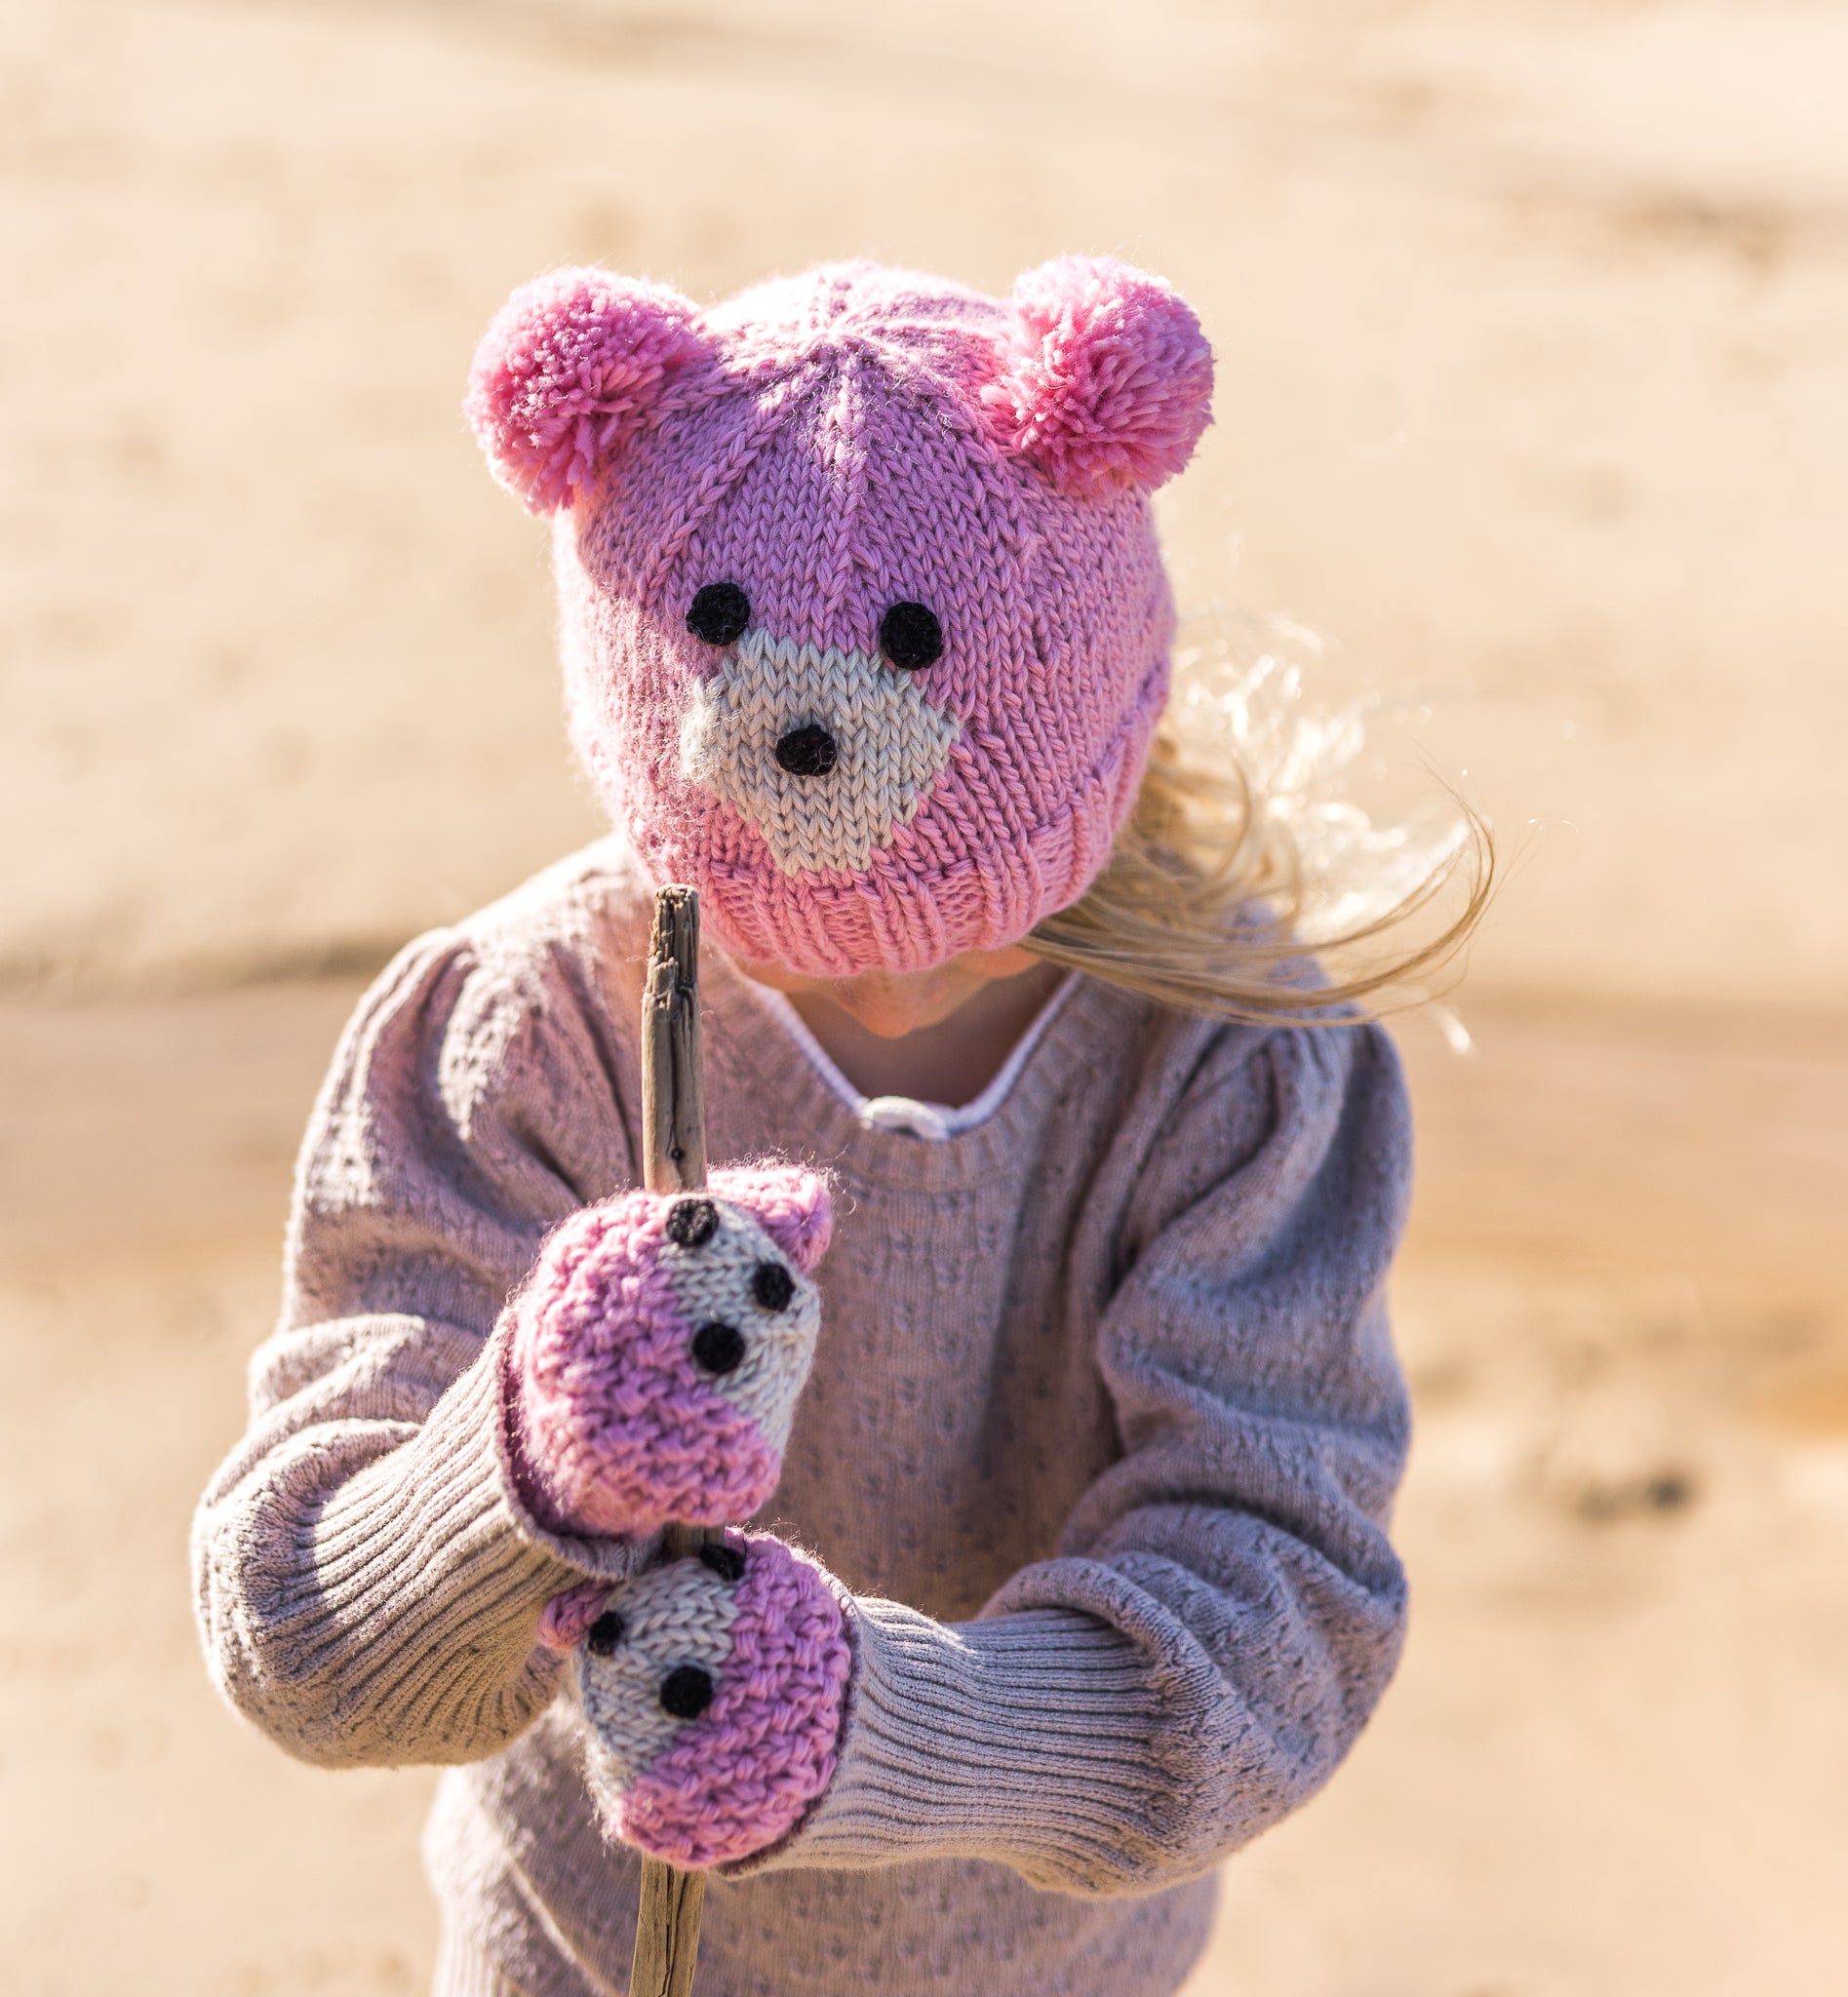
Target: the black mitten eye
(719, 1347)
(726, 1562)
(686, 1691)
(909, 637)
(692, 1222)
(719, 614)
(772, 1285)
(604, 1634)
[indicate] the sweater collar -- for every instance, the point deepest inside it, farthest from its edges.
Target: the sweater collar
(907, 1116)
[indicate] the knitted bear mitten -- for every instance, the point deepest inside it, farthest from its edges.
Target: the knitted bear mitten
(715, 1690)
(657, 1352)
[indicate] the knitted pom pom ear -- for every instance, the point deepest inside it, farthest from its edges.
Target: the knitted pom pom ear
(572, 364)
(1108, 382)
(791, 1205)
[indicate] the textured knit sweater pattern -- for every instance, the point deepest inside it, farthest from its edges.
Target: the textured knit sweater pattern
(1102, 1433)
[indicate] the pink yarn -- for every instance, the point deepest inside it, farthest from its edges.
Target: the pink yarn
(1111, 379)
(792, 1207)
(831, 446)
(569, 363)
(616, 1429)
(742, 1774)
(565, 1621)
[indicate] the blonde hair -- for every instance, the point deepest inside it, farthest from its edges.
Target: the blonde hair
(1248, 883)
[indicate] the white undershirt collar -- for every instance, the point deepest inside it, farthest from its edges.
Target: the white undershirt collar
(934, 1122)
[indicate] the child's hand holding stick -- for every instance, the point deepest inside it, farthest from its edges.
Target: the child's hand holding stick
(785, 1610)
(659, 1351)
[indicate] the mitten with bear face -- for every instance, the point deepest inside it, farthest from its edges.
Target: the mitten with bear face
(714, 1691)
(658, 1350)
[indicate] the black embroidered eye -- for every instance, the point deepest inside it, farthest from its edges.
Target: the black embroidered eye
(772, 1285)
(909, 637)
(719, 1347)
(687, 1692)
(726, 1562)
(604, 1634)
(720, 612)
(692, 1222)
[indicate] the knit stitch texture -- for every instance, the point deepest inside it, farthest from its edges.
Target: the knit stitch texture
(825, 465)
(727, 1784)
(1100, 1438)
(616, 1425)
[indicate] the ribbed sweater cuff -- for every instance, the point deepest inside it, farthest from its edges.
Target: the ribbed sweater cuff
(450, 1498)
(430, 1574)
(1018, 1738)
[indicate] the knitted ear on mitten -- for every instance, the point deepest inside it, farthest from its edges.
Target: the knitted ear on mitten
(658, 1350)
(714, 1689)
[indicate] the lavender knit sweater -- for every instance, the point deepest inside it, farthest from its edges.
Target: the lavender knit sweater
(1103, 1431)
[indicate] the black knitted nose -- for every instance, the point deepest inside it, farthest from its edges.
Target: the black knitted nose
(687, 1692)
(719, 1347)
(807, 750)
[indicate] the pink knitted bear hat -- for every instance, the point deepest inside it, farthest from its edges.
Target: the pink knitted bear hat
(864, 622)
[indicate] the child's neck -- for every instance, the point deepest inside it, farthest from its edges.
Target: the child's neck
(949, 1062)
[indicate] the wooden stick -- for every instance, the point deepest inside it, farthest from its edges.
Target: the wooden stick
(674, 1160)
(666, 1931)
(672, 1088)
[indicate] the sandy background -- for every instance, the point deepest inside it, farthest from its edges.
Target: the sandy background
(1531, 322)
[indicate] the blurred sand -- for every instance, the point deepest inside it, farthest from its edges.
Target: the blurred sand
(1530, 321)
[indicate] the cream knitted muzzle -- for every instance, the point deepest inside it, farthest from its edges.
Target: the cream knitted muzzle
(890, 745)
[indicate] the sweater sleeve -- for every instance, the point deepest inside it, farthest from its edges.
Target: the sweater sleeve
(1225, 1610)
(368, 1582)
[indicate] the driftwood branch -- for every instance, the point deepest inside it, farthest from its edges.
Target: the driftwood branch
(674, 1160)
(673, 1090)
(666, 1931)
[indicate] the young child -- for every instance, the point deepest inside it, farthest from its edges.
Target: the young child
(1038, 1320)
